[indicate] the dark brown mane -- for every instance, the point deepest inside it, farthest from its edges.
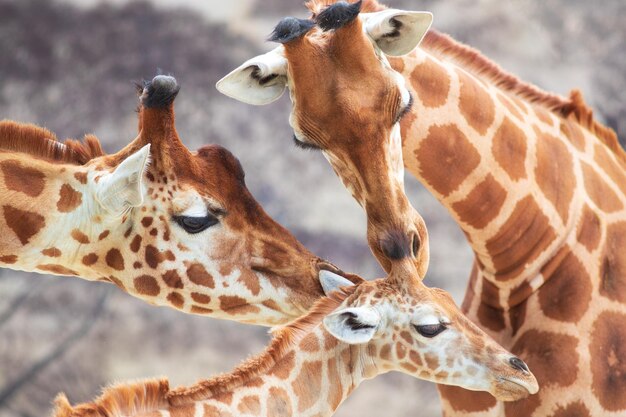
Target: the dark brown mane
(145, 396)
(40, 142)
(473, 61)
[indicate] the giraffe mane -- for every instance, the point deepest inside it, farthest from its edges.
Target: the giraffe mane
(283, 340)
(473, 61)
(40, 142)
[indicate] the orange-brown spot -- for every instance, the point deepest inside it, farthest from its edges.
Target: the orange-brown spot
(510, 107)
(278, 403)
(69, 199)
(416, 358)
(599, 191)
(555, 173)
(522, 408)
(56, 269)
(22, 179)
(79, 236)
(233, 304)
(51, 252)
(147, 221)
(135, 245)
(199, 275)
(307, 385)
(137, 265)
(172, 279)
(176, 299)
(606, 160)
(284, 367)
(115, 259)
(608, 360)
(482, 204)
(509, 149)
(385, 352)
(200, 310)
(475, 103)
(520, 240)
(588, 231)
(25, 224)
(147, 285)
(8, 259)
(81, 177)
(250, 404)
(431, 82)
(446, 158)
(400, 350)
(574, 409)
(250, 280)
(517, 309)
(566, 294)
(572, 131)
(200, 298)
(90, 259)
(432, 361)
(335, 394)
(543, 116)
(154, 257)
(103, 235)
(613, 263)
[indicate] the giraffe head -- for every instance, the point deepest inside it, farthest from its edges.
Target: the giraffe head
(347, 103)
(168, 225)
(418, 330)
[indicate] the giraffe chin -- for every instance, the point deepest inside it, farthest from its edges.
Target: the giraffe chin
(514, 389)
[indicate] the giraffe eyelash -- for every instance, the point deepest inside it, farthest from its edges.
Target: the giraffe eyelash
(404, 110)
(305, 145)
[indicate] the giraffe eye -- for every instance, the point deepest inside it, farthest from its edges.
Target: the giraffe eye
(195, 224)
(430, 330)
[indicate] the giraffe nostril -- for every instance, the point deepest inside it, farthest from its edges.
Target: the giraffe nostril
(415, 244)
(518, 364)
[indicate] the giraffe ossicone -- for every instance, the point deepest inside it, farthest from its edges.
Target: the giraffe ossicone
(535, 182)
(173, 227)
(314, 363)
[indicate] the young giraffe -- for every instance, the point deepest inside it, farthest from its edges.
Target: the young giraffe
(169, 226)
(536, 184)
(315, 362)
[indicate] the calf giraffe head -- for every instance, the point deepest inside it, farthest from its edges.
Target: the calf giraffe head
(418, 330)
(347, 103)
(168, 225)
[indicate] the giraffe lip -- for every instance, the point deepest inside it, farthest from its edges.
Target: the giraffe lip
(511, 388)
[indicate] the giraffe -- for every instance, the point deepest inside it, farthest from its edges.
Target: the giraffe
(534, 181)
(315, 362)
(172, 227)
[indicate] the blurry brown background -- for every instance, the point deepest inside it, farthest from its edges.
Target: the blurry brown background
(68, 65)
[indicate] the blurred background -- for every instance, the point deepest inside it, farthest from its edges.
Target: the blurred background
(68, 65)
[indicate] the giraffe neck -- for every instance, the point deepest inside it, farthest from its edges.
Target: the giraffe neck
(503, 168)
(48, 212)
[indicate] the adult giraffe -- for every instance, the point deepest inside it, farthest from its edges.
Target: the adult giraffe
(536, 184)
(167, 225)
(315, 362)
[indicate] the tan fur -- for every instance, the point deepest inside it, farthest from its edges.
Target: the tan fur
(40, 142)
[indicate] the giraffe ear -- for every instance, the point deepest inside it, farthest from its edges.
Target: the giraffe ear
(353, 325)
(396, 32)
(332, 282)
(122, 189)
(260, 80)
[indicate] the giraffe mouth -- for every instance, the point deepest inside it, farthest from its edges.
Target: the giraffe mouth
(513, 389)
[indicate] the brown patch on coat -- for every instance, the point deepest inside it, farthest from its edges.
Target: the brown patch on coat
(615, 169)
(51, 252)
(25, 224)
(482, 204)
(613, 263)
(283, 368)
(510, 106)
(81, 177)
(115, 259)
(250, 404)
(250, 280)
(574, 133)
(475, 103)
(147, 285)
(135, 244)
(90, 259)
(172, 279)
(278, 403)
(554, 173)
(234, 305)
(573, 409)
(147, 221)
(103, 235)
(22, 179)
(608, 360)
(69, 199)
(308, 384)
(79, 236)
(446, 158)
(599, 191)
(431, 82)
(589, 230)
(509, 149)
(154, 256)
(8, 259)
(200, 298)
(176, 299)
(199, 275)
(466, 401)
(520, 240)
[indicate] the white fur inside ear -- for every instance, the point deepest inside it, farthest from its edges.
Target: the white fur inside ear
(332, 282)
(260, 80)
(354, 325)
(122, 189)
(396, 32)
